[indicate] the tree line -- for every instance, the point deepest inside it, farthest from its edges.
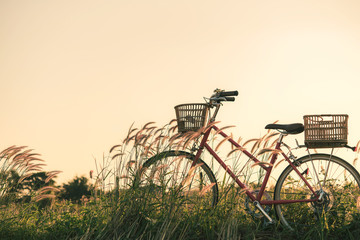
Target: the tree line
(21, 190)
(22, 179)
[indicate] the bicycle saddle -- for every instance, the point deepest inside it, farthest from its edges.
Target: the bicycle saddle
(294, 128)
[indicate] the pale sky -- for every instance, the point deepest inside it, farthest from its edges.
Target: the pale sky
(74, 75)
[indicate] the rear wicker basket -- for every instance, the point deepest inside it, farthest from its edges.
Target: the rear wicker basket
(326, 131)
(191, 117)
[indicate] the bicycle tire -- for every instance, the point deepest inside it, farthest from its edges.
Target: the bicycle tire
(167, 174)
(341, 197)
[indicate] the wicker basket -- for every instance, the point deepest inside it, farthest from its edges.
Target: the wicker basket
(326, 131)
(191, 117)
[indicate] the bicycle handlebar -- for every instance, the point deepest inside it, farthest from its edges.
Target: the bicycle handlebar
(230, 99)
(228, 94)
(218, 97)
(224, 96)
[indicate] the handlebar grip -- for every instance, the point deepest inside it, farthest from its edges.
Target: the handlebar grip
(230, 99)
(228, 94)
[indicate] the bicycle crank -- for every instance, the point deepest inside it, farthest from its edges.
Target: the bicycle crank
(255, 208)
(262, 210)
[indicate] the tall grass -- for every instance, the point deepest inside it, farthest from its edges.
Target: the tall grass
(118, 210)
(17, 165)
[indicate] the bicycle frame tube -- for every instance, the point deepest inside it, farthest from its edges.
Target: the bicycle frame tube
(268, 169)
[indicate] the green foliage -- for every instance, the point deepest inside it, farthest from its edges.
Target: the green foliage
(10, 185)
(76, 189)
(132, 217)
(36, 181)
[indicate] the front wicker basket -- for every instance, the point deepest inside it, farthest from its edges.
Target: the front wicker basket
(191, 117)
(326, 131)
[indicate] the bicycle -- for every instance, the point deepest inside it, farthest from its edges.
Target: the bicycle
(312, 187)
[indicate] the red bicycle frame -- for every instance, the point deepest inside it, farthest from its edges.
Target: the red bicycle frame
(268, 169)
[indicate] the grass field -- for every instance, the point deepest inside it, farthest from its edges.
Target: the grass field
(133, 216)
(118, 210)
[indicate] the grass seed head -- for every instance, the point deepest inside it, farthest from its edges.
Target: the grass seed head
(114, 147)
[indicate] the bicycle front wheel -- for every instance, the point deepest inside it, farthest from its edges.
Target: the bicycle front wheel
(173, 181)
(332, 178)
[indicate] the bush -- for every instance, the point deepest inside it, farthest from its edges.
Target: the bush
(75, 189)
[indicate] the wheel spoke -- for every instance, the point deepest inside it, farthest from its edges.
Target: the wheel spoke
(339, 183)
(190, 188)
(327, 167)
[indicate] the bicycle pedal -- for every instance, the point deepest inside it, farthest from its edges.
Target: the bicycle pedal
(267, 223)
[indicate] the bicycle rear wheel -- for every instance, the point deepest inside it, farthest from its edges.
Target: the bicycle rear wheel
(171, 180)
(336, 180)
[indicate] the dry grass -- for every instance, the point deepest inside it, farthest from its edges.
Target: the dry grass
(17, 165)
